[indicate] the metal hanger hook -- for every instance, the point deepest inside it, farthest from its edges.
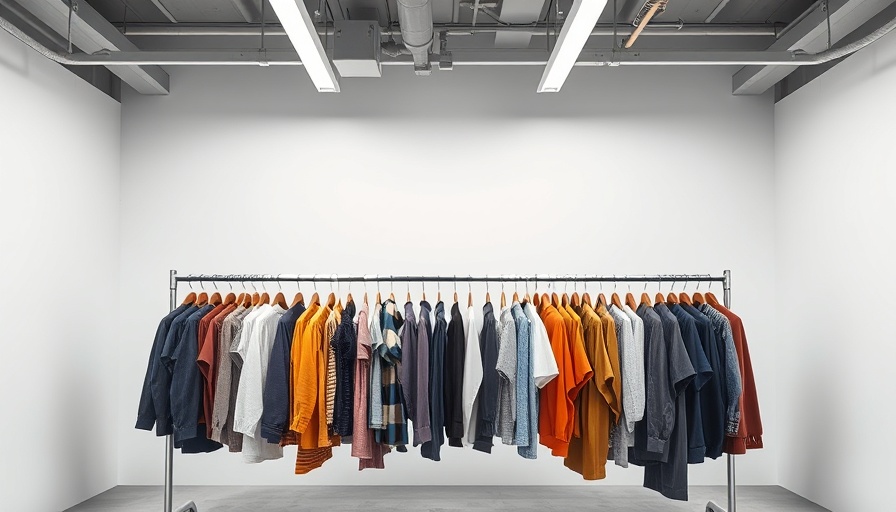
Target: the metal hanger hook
(190, 283)
(279, 285)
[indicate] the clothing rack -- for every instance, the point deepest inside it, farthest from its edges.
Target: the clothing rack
(174, 279)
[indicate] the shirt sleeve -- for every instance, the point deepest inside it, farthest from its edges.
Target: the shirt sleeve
(544, 363)
(660, 404)
(146, 410)
(185, 389)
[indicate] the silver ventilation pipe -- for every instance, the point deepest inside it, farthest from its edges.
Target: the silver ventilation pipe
(415, 20)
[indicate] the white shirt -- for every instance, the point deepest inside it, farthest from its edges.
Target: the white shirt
(249, 398)
(544, 365)
(472, 373)
(638, 368)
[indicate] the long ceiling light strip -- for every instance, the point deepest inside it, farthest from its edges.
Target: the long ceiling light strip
(302, 33)
(575, 33)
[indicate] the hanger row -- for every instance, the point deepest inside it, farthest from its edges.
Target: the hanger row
(550, 283)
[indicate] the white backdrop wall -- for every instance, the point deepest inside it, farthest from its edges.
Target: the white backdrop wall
(251, 171)
(59, 246)
(836, 202)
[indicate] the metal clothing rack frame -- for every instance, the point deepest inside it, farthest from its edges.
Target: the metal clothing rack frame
(174, 279)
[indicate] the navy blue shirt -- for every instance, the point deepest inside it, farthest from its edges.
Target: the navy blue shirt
(712, 396)
(146, 411)
(488, 391)
(696, 437)
(186, 388)
(670, 477)
(161, 378)
(432, 449)
(344, 345)
(274, 416)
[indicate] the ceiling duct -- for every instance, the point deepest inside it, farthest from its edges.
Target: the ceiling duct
(415, 19)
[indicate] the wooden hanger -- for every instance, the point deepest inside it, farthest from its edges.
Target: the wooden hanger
(470, 299)
(229, 299)
(535, 299)
(215, 299)
(659, 299)
(645, 299)
(280, 300)
(189, 299)
(349, 298)
(265, 298)
(503, 301)
(586, 298)
(455, 297)
(392, 297)
(516, 297)
(256, 298)
(240, 298)
(684, 299)
(331, 300)
(488, 297)
(409, 296)
(555, 300)
(379, 298)
(315, 298)
(564, 300)
(601, 300)
(202, 300)
(671, 298)
(574, 298)
(698, 299)
(615, 300)
(297, 299)
(711, 299)
(630, 301)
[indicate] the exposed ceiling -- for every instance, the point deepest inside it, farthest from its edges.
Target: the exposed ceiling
(499, 26)
(444, 11)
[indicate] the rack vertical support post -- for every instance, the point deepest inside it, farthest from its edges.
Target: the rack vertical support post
(731, 483)
(169, 439)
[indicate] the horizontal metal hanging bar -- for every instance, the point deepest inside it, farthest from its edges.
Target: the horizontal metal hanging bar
(447, 279)
(452, 29)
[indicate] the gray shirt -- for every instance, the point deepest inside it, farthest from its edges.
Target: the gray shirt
(222, 385)
(632, 390)
(506, 367)
(375, 403)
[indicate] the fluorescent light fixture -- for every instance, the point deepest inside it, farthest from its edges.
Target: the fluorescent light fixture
(573, 36)
(298, 26)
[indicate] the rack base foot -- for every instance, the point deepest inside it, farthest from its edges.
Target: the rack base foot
(187, 507)
(712, 507)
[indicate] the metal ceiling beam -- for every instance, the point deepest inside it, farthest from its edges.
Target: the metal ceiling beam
(164, 10)
(601, 29)
(805, 74)
(808, 33)
(248, 9)
(465, 57)
(517, 11)
(91, 33)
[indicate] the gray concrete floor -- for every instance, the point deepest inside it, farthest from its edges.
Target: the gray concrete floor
(440, 499)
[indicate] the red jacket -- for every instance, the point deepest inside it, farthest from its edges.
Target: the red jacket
(749, 433)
